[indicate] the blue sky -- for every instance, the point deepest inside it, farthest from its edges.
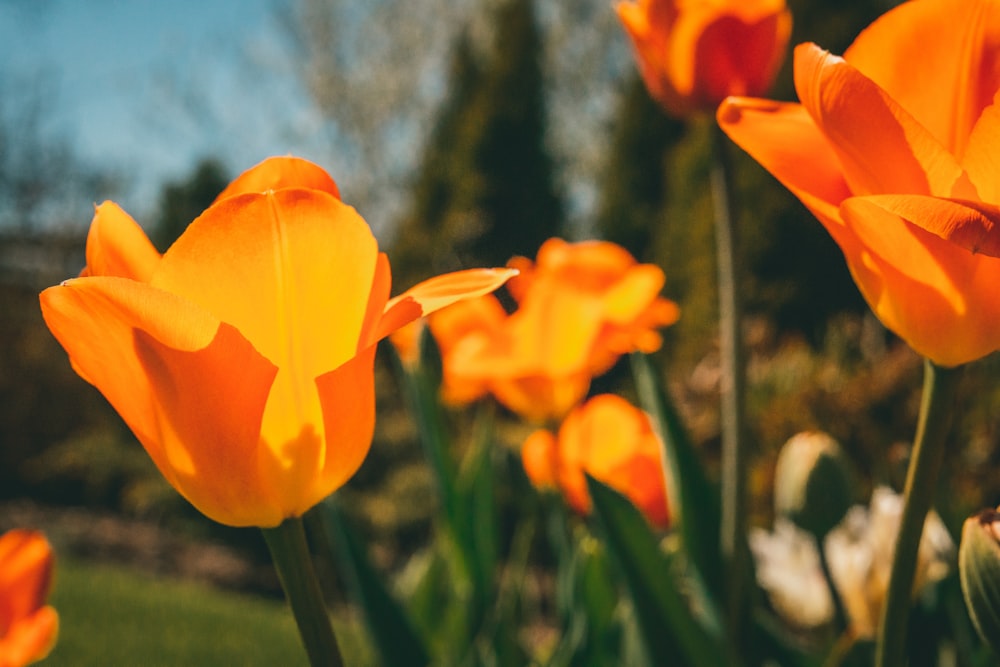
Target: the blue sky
(147, 87)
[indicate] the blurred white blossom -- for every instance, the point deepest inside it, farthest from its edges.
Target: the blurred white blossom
(859, 553)
(788, 568)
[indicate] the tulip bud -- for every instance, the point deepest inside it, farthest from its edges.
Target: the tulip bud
(979, 571)
(812, 482)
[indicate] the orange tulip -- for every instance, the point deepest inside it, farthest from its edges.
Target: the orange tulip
(580, 307)
(893, 148)
(694, 53)
(463, 326)
(28, 627)
(242, 359)
(612, 441)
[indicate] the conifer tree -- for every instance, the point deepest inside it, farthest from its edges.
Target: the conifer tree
(486, 190)
(633, 195)
(183, 201)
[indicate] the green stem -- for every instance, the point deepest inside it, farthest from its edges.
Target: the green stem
(921, 480)
(732, 394)
(290, 552)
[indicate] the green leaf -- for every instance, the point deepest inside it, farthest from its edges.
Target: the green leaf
(392, 631)
(694, 500)
(476, 508)
(669, 628)
(421, 385)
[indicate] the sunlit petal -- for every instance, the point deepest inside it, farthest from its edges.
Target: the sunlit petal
(439, 292)
(292, 270)
(347, 395)
(784, 138)
(938, 59)
(277, 173)
(937, 293)
(982, 156)
(973, 225)
(117, 246)
(870, 131)
(190, 387)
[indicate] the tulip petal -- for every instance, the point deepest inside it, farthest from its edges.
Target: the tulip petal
(28, 628)
(25, 573)
(117, 246)
(642, 21)
(633, 294)
(881, 147)
(982, 157)
(323, 457)
(973, 225)
(732, 48)
(539, 398)
(438, 292)
(30, 639)
(277, 173)
(293, 271)
(347, 395)
(538, 456)
(937, 59)
(788, 143)
(936, 295)
(191, 388)
(377, 300)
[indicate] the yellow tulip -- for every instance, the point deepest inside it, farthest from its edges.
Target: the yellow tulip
(242, 359)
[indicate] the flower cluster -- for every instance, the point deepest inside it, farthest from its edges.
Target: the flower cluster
(580, 306)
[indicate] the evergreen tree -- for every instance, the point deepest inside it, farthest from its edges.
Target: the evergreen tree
(633, 197)
(486, 190)
(183, 201)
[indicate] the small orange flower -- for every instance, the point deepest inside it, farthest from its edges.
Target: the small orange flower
(28, 627)
(694, 53)
(580, 307)
(609, 439)
(242, 358)
(893, 148)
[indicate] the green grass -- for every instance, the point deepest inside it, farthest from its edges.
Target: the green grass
(113, 616)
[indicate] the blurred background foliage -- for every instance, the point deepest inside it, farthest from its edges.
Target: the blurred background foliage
(539, 127)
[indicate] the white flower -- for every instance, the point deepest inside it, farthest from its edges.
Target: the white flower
(788, 568)
(859, 553)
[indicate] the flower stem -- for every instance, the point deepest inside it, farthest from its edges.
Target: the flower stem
(290, 552)
(732, 392)
(921, 480)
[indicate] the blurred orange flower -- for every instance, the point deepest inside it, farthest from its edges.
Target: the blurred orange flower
(466, 325)
(242, 358)
(28, 627)
(694, 53)
(893, 148)
(580, 307)
(613, 441)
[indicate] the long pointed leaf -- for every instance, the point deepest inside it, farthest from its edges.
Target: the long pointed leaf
(391, 629)
(671, 633)
(421, 385)
(694, 500)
